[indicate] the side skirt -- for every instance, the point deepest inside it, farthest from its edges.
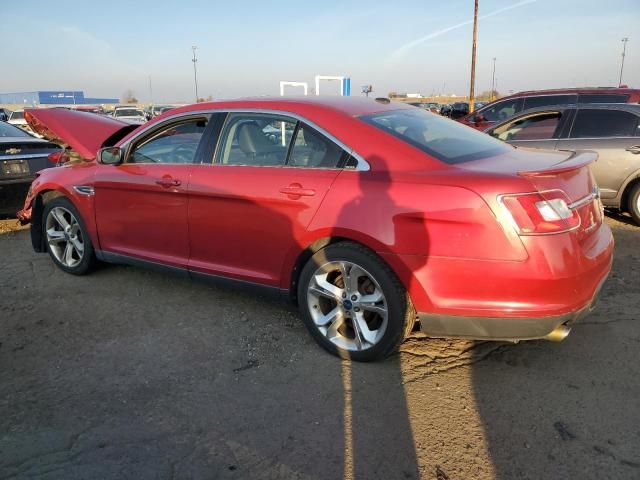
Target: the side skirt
(225, 282)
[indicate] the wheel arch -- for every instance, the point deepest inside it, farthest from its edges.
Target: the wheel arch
(41, 198)
(626, 191)
(328, 239)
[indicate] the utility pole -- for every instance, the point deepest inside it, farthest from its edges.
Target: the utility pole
(624, 50)
(473, 59)
(195, 72)
(150, 90)
(493, 80)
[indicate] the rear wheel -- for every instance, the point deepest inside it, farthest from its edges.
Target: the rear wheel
(634, 203)
(66, 237)
(353, 304)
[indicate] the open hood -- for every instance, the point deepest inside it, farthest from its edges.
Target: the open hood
(85, 133)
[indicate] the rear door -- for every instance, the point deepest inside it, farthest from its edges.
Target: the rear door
(141, 204)
(612, 134)
(251, 202)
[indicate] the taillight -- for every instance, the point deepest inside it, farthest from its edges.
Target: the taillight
(541, 212)
(55, 157)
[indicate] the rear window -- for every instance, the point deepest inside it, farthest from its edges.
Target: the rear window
(125, 112)
(7, 130)
(592, 123)
(446, 140)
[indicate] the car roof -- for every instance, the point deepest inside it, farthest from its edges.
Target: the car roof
(352, 106)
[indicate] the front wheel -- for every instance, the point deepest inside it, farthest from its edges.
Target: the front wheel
(353, 304)
(66, 236)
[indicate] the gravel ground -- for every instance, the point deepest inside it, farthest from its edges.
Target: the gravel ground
(132, 374)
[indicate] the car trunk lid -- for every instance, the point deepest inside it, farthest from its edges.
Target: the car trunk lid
(567, 171)
(85, 133)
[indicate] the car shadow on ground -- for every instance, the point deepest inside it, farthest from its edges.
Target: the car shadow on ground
(567, 410)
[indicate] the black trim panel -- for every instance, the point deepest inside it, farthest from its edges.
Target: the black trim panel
(257, 288)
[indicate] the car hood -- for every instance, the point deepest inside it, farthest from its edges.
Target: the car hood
(85, 133)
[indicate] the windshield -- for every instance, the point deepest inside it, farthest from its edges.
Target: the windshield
(446, 140)
(7, 130)
(16, 116)
(128, 112)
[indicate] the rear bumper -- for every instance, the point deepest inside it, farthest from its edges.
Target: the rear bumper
(505, 328)
(12, 194)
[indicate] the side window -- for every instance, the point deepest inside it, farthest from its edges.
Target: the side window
(534, 127)
(602, 98)
(592, 123)
(177, 143)
(501, 110)
(255, 139)
(546, 100)
(311, 149)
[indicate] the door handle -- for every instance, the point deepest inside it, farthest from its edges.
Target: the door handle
(169, 182)
(296, 190)
(633, 149)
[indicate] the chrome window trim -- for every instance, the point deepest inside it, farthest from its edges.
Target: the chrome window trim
(362, 166)
(600, 138)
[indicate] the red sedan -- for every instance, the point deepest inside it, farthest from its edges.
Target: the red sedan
(368, 215)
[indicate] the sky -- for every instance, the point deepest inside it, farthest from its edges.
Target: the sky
(246, 47)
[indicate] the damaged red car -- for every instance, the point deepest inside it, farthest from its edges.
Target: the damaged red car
(374, 218)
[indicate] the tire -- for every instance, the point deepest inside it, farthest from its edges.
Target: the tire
(64, 229)
(366, 321)
(634, 203)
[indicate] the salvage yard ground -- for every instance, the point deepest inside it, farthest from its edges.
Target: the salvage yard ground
(129, 373)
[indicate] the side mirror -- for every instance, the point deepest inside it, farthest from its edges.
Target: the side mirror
(110, 155)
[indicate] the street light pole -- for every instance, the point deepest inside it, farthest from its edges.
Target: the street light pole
(150, 90)
(624, 50)
(195, 72)
(493, 80)
(473, 59)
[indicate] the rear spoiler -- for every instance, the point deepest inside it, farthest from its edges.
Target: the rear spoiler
(576, 160)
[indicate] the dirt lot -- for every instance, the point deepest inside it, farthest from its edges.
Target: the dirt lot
(132, 374)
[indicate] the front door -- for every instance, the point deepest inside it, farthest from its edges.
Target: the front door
(141, 204)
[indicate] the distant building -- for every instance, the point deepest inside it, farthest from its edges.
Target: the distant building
(53, 97)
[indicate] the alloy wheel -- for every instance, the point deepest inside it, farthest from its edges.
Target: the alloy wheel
(64, 237)
(347, 305)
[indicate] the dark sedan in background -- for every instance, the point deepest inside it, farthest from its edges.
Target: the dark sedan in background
(611, 130)
(21, 156)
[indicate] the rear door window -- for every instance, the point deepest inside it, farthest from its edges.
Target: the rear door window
(602, 98)
(596, 123)
(255, 139)
(547, 100)
(542, 126)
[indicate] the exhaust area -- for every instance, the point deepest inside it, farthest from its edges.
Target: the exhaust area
(558, 334)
